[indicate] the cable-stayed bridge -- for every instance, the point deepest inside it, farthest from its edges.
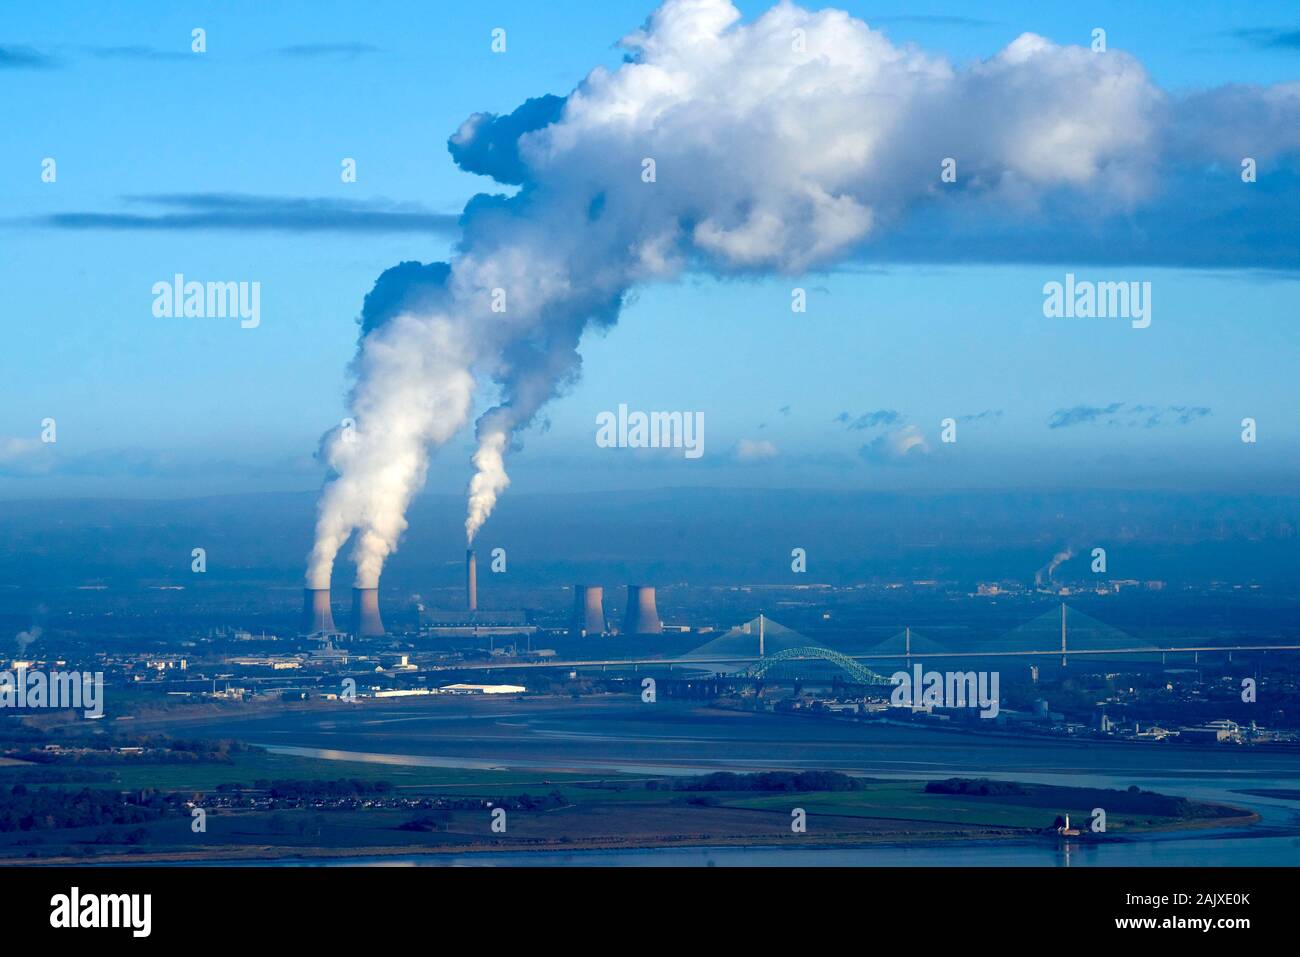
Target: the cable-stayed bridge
(761, 647)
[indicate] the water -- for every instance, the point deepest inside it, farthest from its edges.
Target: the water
(606, 737)
(1181, 852)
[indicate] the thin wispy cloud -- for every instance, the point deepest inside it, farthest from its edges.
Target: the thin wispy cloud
(988, 415)
(27, 458)
(1271, 38)
(315, 51)
(868, 420)
(1171, 415)
(1081, 414)
(247, 213)
(1126, 414)
(21, 57)
(935, 19)
(1191, 219)
(136, 52)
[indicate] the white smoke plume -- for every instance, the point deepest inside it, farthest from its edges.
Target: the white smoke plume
(413, 390)
(489, 480)
(25, 638)
(779, 146)
(1044, 574)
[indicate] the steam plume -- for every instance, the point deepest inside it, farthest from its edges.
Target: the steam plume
(25, 638)
(489, 480)
(775, 147)
(1044, 574)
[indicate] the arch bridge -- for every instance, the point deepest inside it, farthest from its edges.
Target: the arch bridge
(860, 674)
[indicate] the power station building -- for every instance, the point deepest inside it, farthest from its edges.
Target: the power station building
(365, 622)
(317, 617)
(588, 618)
(641, 617)
(470, 622)
(437, 623)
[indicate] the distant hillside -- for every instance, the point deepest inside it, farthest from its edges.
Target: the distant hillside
(697, 535)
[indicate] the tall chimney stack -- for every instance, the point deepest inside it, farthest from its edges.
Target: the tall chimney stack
(588, 611)
(366, 622)
(471, 580)
(642, 617)
(316, 614)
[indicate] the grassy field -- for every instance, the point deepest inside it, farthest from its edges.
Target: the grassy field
(248, 766)
(907, 801)
(579, 811)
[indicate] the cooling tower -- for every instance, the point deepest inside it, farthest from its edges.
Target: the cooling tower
(471, 580)
(316, 614)
(588, 610)
(366, 622)
(642, 617)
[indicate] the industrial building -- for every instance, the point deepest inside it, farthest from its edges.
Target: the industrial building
(435, 623)
(317, 617)
(642, 617)
(470, 622)
(481, 689)
(366, 622)
(588, 616)
(587, 619)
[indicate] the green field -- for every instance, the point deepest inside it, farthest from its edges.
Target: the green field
(907, 801)
(569, 810)
(898, 801)
(249, 766)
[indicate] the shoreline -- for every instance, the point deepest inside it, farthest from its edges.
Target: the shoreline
(259, 854)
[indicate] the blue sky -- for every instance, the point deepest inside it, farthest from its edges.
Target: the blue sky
(149, 406)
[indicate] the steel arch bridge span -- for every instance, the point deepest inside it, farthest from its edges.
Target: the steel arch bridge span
(859, 673)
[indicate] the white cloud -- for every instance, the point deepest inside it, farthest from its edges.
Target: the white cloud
(899, 445)
(24, 457)
(784, 159)
(755, 450)
(780, 146)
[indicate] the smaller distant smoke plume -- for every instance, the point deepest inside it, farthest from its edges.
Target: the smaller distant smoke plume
(24, 638)
(1044, 574)
(490, 478)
